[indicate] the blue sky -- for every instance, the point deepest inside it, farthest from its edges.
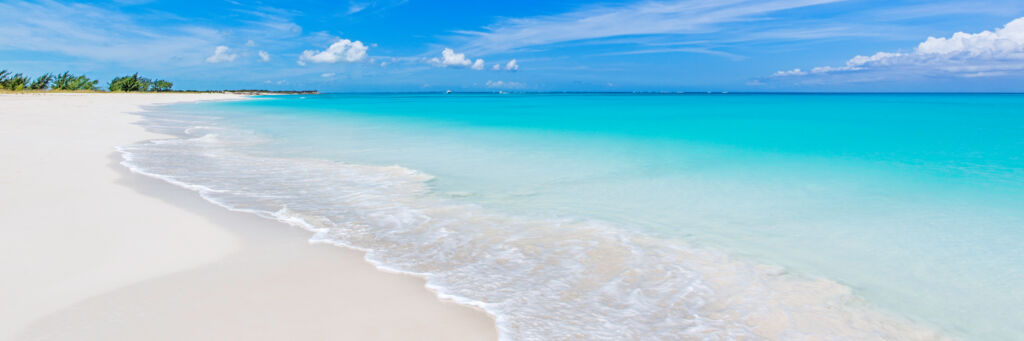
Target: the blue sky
(420, 45)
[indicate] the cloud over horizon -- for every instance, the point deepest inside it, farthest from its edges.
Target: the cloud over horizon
(504, 85)
(983, 54)
(670, 45)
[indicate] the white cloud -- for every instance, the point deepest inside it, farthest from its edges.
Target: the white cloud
(984, 54)
(343, 50)
(793, 72)
(221, 54)
(250, 43)
(478, 64)
(504, 85)
(264, 56)
(854, 64)
(327, 75)
(354, 8)
(449, 58)
(383, 64)
(1006, 42)
(635, 19)
(512, 65)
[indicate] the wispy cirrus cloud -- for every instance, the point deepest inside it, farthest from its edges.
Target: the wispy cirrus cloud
(987, 53)
(700, 50)
(948, 8)
(267, 25)
(91, 32)
(504, 85)
(107, 34)
(355, 7)
(643, 18)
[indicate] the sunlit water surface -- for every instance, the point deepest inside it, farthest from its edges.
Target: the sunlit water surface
(612, 216)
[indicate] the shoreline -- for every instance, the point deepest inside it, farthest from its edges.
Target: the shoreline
(186, 269)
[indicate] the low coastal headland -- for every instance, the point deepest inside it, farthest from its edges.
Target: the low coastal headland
(92, 251)
(11, 82)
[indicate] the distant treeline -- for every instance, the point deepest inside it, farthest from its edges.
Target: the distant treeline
(68, 81)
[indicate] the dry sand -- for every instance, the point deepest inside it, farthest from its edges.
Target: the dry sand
(90, 251)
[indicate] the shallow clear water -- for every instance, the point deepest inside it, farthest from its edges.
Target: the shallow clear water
(611, 216)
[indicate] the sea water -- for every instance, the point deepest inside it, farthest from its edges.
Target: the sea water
(644, 216)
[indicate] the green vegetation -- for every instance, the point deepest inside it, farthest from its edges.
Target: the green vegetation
(162, 85)
(130, 83)
(42, 82)
(67, 81)
(13, 82)
(70, 82)
(136, 83)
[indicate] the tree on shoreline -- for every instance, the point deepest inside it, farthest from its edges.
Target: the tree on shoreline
(67, 81)
(13, 82)
(42, 82)
(162, 85)
(130, 83)
(136, 83)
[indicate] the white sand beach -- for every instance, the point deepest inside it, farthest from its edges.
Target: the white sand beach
(91, 251)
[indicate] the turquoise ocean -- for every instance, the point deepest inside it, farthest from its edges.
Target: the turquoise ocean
(644, 216)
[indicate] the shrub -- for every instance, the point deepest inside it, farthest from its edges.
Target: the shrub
(84, 83)
(130, 83)
(67, 81)
(42, 82)
(63, 81)
(162, 85)
(15, 82)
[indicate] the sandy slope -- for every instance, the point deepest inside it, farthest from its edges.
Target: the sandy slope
(91, 251)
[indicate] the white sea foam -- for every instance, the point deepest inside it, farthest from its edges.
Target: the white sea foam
(543, 278)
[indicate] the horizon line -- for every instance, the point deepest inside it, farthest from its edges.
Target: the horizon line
(666, 92)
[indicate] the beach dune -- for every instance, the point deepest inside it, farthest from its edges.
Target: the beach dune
(91, 251)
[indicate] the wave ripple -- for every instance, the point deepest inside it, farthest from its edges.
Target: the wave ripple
(542, 278)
